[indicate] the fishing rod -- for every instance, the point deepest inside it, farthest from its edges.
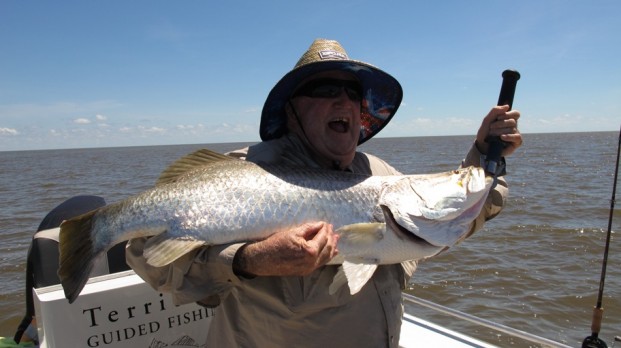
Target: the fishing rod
(495, 164)
(593, 341)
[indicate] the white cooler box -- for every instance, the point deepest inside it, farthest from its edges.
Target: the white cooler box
(118, 310)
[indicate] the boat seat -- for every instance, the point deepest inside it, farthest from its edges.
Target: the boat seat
(42, 260)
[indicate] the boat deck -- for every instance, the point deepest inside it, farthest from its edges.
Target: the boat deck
(416, 332)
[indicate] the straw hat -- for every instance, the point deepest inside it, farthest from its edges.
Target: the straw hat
(382, 93)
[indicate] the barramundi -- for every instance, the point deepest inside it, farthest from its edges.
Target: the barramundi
(207, 198)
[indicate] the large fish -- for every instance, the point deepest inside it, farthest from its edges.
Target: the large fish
(207, 198)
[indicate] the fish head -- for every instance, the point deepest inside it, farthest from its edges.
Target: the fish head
(438, 208)
(447, 195)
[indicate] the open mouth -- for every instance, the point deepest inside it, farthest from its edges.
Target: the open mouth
(339, 125)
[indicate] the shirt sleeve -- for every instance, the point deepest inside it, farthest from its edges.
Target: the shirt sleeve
(377, 166)
(205, 275)
(497, 197)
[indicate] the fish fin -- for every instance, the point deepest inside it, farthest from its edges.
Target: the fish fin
(354, 274)
(77, 254)
(363, 233)
(189, 162)
(162, 250)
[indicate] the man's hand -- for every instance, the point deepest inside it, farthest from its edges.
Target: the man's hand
(502, 123)
(297, 252)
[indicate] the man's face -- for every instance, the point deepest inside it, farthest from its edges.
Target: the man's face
(329, 116)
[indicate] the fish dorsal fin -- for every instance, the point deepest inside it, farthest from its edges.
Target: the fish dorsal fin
(189, 162)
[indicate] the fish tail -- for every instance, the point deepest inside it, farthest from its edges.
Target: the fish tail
(76, 254)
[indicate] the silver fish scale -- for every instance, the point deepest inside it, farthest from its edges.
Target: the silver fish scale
(236, 200)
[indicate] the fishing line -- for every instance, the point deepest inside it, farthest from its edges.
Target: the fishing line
(593, 341)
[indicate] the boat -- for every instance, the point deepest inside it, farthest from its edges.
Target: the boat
(120, 310)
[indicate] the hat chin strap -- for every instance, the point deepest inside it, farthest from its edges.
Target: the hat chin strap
(336, 165)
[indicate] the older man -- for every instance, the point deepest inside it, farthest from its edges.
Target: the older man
(274, 292)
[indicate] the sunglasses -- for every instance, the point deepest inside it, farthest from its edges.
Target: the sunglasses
(330, 88)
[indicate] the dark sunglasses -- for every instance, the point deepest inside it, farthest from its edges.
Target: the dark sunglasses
(330, 88)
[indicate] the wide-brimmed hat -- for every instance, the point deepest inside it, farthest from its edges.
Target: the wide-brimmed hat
(381, 92)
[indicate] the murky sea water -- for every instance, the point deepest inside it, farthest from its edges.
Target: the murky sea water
(536, 267)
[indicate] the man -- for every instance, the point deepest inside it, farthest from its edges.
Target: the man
(274, 292)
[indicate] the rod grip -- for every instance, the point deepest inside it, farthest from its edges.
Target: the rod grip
(507, 92)
(596, 323)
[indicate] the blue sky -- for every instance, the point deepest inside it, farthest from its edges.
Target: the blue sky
(122, 73)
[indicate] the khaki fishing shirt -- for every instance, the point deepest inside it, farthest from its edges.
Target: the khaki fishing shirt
(292, 311)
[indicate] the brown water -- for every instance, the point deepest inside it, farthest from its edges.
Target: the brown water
(536, 267)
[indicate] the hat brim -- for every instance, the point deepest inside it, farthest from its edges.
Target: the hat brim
(382, 96)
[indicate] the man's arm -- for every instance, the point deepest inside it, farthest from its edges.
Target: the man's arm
(206, 273)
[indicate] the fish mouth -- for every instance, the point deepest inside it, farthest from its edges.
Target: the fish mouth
(400, 231)
(339, 125)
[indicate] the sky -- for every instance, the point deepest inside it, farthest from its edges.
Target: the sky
(82, 74)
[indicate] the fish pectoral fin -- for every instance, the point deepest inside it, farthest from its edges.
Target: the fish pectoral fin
(364, 233)
(354, 274)
(162, 250)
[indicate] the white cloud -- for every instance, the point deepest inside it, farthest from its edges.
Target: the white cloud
(185, 127)
(190, 129)
(101, 117)
(82, 121)
(226, 128)
(8, 131)
(152, 129)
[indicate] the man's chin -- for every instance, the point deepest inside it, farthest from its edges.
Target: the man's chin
(344, 153)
